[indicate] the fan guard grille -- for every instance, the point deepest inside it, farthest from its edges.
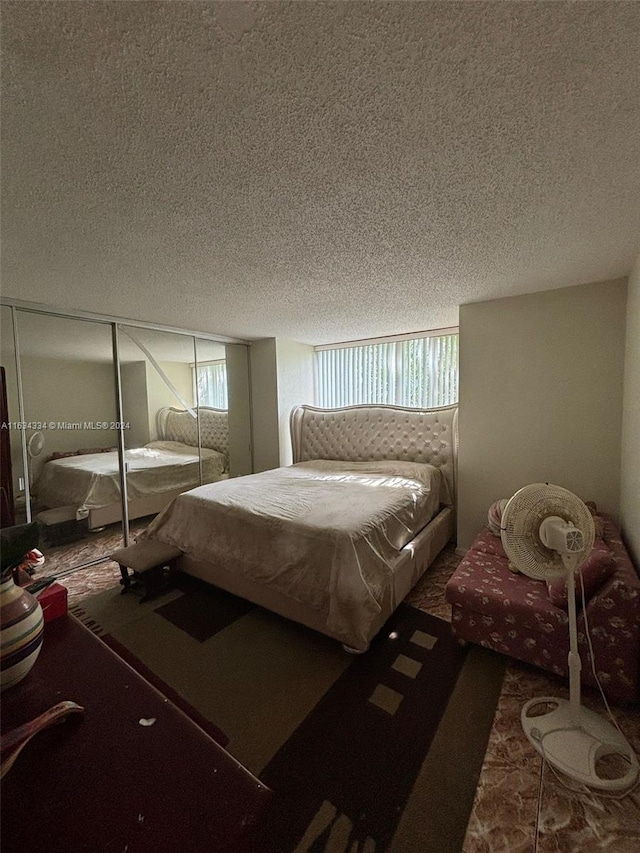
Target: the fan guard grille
(520, 526)
(35, 444)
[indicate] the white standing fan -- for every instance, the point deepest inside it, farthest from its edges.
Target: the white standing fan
(547, 532)
(35, 446)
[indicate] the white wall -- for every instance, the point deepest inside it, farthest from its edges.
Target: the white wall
(240, 451)
(159, 395)
(630, 451)
(63, 391)
(135, 405)
(541, 380)
(295, 386)
(144, 392)
(281, 378)
(264, 404)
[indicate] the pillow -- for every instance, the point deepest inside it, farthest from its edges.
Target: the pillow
(422, 472)
(62, 454)
(598, 521)
(595, 570)
(494, 516)
(65, 454)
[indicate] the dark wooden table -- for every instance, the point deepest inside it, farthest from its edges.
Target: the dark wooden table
(100, 782)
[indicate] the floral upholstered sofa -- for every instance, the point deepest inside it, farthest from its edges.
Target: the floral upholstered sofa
(527, 619)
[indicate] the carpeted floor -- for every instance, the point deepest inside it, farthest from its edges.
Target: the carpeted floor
(84, 566)
(350, 745)
(519, 805)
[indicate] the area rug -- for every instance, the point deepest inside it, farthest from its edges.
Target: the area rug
(365, 753)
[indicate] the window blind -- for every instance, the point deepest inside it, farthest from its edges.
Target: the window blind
(417, 372)
(212, 385)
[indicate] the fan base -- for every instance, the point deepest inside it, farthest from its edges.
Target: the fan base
(592, 751)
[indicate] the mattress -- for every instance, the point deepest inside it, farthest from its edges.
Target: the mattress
(324, 533)
(92, 481)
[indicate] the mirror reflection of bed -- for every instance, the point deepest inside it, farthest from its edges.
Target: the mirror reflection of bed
(189, 450)
(176, 426)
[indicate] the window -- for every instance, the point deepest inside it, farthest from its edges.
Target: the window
(212, 384)
(420, 372)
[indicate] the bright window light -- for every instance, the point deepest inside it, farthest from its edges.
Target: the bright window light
(420, 372)
(211, 384)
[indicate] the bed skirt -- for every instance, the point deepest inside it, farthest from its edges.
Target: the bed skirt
(412, 562)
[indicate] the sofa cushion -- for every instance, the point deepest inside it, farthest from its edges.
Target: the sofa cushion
(483, 584)
(513, 614)
(598, 566)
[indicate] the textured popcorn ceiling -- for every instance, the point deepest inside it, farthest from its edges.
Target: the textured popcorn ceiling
(317, 171)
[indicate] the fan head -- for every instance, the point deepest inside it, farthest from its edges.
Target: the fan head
(522, 519)
(35, 444)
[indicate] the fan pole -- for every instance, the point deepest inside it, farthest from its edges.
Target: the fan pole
(571, 738)
(575, 664)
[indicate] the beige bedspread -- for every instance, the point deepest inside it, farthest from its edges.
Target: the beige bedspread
(92, 481)
(323, 533)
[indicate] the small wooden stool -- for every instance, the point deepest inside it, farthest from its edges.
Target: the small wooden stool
(147, 560)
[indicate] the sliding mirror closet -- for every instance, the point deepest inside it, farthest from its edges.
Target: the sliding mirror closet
(106, 422)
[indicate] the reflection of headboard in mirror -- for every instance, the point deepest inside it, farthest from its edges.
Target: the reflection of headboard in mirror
(179, 425)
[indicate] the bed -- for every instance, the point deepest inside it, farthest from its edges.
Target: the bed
(336, 540)
(156, 472)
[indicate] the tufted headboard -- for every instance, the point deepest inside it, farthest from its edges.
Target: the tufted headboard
(365, 433)
(178, 425)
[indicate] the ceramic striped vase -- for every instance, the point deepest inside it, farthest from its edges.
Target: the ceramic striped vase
(22, 624)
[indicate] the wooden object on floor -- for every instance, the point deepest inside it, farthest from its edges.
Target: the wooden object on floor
(102, 781)
(147, 560)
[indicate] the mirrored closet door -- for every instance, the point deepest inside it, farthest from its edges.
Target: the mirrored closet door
(97, 409)
(13, 501)
(222, 388)
(69, 416)
(164, 455)
(185, 405)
